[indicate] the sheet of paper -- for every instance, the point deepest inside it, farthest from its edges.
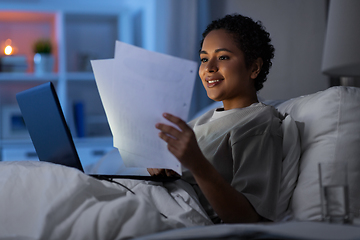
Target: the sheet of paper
(136, 88)
(103, 70)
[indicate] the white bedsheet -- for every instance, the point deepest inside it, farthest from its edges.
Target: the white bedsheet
(285, 230)
(41, 200)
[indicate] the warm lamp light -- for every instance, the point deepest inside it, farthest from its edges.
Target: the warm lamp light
(10, 61)
(341, 57)
(8, 50)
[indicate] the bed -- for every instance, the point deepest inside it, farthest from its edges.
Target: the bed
(47, 201)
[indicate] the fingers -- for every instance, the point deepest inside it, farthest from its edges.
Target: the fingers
(161, 172)
(175, 140)
(150, 171)
(156, 171)
(177, 121)
(169, 132)
(171, 173)
(181, 142)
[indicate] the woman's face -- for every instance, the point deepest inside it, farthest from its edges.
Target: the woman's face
(223, 71)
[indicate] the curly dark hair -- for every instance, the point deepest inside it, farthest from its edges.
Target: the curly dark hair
(251, 38)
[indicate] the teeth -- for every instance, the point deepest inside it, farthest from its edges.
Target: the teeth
(213, 81)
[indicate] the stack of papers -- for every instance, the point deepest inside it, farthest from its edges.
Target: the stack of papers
(136, 87)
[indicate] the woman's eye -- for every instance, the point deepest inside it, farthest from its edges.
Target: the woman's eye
(223, 57)
(203, 60)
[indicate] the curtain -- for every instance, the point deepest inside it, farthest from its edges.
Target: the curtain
(179, 25)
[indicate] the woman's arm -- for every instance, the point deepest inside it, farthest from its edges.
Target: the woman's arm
(230, 205)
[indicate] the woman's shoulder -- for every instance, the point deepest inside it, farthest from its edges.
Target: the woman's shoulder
(260, 119)
(257, 112)
(204, 118)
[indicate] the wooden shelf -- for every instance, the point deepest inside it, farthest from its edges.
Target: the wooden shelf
(77, 37)
(28, 77)
(71, 76)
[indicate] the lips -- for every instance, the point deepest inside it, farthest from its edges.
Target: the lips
(213, 82)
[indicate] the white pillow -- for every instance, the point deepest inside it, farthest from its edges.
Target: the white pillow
(290, 168)
(329, 125)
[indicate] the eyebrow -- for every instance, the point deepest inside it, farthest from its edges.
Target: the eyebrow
(216, 51)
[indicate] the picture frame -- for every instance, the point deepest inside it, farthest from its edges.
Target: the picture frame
(13, 126)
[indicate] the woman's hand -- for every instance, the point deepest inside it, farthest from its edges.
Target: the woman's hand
(162, 172)
(229, 204)
(181, 142)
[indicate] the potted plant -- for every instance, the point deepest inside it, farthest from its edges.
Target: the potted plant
(43, 58)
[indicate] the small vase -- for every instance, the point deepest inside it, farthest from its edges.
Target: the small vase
(43, 63)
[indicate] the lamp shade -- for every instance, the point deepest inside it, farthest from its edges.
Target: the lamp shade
(341, 55)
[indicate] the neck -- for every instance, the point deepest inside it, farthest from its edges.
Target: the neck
(240, 103)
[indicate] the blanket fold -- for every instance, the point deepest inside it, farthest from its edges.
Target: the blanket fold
(41, 200)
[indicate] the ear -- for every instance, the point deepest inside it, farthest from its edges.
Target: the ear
(256, 68)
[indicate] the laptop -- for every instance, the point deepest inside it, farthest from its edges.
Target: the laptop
(50, 134)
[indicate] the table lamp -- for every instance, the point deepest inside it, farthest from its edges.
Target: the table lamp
(341, 56)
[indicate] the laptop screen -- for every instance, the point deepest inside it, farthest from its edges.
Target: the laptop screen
(45, 121)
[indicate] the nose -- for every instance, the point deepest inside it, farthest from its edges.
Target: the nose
(211, 65)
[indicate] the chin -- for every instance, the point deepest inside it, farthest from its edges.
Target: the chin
(216, 99)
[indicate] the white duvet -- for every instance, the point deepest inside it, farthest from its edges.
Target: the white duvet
(41, 200)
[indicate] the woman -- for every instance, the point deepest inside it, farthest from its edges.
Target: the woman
(232, 155)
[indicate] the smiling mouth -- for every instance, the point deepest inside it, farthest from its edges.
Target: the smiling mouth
(213, 83)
